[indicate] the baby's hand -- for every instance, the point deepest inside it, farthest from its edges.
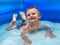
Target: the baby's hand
(51, 35)
(27, 42)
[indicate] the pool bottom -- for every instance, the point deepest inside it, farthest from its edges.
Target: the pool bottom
(13, 37)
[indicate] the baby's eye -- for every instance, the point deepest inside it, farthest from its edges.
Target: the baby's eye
(28, 15)
(33, 13)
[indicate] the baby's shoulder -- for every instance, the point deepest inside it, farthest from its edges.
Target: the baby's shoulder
(41, 25)
(25, 28)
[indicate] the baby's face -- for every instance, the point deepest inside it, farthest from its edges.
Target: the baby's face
(32, 15)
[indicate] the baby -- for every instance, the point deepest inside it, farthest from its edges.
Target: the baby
(33, 17)
(12, 26)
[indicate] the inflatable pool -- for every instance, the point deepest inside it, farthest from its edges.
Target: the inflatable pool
(13, 37)
(50, 12)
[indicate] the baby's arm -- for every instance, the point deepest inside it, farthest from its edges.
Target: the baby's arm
(49, 32)
(25, 38)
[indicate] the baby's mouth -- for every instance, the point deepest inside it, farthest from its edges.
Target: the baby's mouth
(32, 18)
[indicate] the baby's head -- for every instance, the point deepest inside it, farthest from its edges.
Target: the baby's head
(33, 14)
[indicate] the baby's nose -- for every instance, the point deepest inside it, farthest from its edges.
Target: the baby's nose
(31, 15)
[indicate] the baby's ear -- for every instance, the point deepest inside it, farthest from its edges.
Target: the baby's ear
(39, 16)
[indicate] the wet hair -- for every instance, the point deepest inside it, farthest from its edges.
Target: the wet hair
(32, 8)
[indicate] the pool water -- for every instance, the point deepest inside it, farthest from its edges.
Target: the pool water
(13, 36)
